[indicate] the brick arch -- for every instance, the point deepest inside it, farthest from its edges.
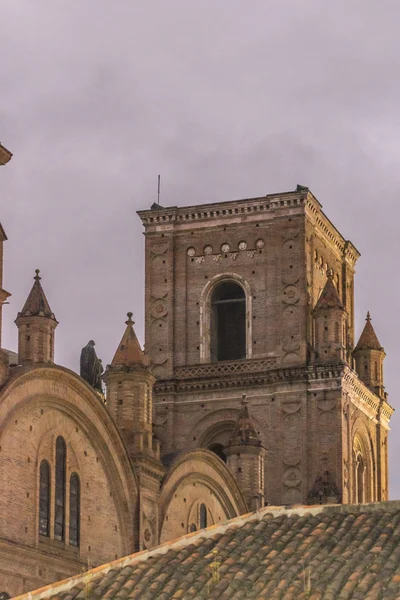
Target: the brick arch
(55, 401)
(207, 428)
(197, 476)
(205, 312)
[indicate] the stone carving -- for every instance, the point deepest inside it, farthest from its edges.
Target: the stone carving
(208, 249)
(291, 435)
(234, 255)
(289, 233)
(290, 294)
(191, 251)
(292, 477)
(159, 248)
(199, 259)
(260, 244)
(91, 367)
(242, 245)
(225, 247)
(217, 257)
(251, 253)
(159, 308)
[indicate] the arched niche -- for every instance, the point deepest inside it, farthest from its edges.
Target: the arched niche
(363, 466)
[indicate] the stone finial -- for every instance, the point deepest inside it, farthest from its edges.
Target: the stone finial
(37, 277)
(368, 318)
(244, 399)
(129, 321)
(329, 273)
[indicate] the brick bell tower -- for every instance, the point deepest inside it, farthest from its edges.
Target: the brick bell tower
(256, 297)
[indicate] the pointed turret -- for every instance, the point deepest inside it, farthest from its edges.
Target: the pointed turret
(368, 338)
(245, 457)
(129, 352)
(329, 297)
(330, 319)
(36, 324)
(244, 431)
(369, 356)
(129, 399)
(129, 386)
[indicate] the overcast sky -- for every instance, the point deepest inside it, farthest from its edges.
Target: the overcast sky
(226, 99)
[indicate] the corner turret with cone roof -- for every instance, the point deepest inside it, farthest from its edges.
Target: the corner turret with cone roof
(129, 396)
(129, 399)
(369, 356)
(36, 324)
(245, 458)
(330, 324)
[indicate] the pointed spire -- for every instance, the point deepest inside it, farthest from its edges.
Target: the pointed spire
(368, 339)
(129, 352)
(244, 432)
(36, 304)
(329, 297)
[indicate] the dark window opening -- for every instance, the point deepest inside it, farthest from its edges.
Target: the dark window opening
(228, 322)
(192, 528)
(74, 509)
(59, 517)
(203, 516)
(218, 449)
(360, 475)
(44, 499)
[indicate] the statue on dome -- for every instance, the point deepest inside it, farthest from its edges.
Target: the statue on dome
(91, 367)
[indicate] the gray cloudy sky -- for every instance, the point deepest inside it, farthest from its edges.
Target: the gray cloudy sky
(226, 99)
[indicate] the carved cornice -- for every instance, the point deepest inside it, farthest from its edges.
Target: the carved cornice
(375, 407)
(321, 222)
(236, 374)
(232, 208)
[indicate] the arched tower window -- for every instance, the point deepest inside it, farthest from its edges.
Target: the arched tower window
(59, 516)
(203, 516)
(74, 509)
(44, 499)
(228, 322)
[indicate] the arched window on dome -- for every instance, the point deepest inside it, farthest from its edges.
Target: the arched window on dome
(74, 509)
(59, 513)
(228, 322)
(44, 499)
(203, 516)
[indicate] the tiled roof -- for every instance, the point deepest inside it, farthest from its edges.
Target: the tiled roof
(129, 351)
(368, 339)
(329, 297)
(335, 552)
(36, 304)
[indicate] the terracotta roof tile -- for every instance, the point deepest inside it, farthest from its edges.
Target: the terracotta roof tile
(331, 552)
